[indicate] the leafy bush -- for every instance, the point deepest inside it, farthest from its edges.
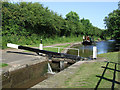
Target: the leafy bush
(26, 23)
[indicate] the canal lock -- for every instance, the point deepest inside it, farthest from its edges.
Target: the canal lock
(58, 64)
(31, 75)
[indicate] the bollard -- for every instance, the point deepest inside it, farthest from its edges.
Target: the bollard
(94, 52)
(41, 45)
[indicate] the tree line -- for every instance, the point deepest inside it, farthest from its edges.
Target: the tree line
(112, 22)
(26, 18)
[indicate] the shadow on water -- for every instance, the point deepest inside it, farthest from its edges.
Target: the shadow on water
(102, 47)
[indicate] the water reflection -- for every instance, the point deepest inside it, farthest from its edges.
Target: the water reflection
(105, 46)
(102, 47)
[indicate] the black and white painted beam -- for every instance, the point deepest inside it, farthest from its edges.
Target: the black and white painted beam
(12, 45)
(30, 49)
(49, 53)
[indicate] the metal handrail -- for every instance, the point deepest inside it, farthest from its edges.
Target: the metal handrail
(64, 48)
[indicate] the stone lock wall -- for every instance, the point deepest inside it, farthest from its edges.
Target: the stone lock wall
(23, 77)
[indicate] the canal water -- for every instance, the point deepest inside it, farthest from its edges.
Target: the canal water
(102, 47)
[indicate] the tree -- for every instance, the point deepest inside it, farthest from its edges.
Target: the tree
(72, 16)
(27, 19)
(88, 26)
(119, 5)
(112, 22)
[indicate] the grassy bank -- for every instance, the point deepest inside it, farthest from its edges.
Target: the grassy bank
(34, 40)
(85, 77)
(56, 49)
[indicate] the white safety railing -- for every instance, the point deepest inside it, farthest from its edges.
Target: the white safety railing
(64, 48)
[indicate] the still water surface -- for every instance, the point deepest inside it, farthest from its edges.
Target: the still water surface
(102, 47)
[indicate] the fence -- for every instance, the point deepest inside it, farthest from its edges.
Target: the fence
(58, 49)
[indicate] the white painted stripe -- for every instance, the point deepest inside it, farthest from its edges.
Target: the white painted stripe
(12, 45)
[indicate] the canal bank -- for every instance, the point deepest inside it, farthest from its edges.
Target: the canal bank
(20, 63)
(83, 74)
(63, 70)
(59, 80)
(24, 69)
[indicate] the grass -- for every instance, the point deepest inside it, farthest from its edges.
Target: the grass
(3, 65)
(56, 49)
(85, 77)
(34, 40)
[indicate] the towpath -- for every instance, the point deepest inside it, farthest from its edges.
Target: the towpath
(60, 44)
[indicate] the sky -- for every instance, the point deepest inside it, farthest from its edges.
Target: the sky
(94, 10)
